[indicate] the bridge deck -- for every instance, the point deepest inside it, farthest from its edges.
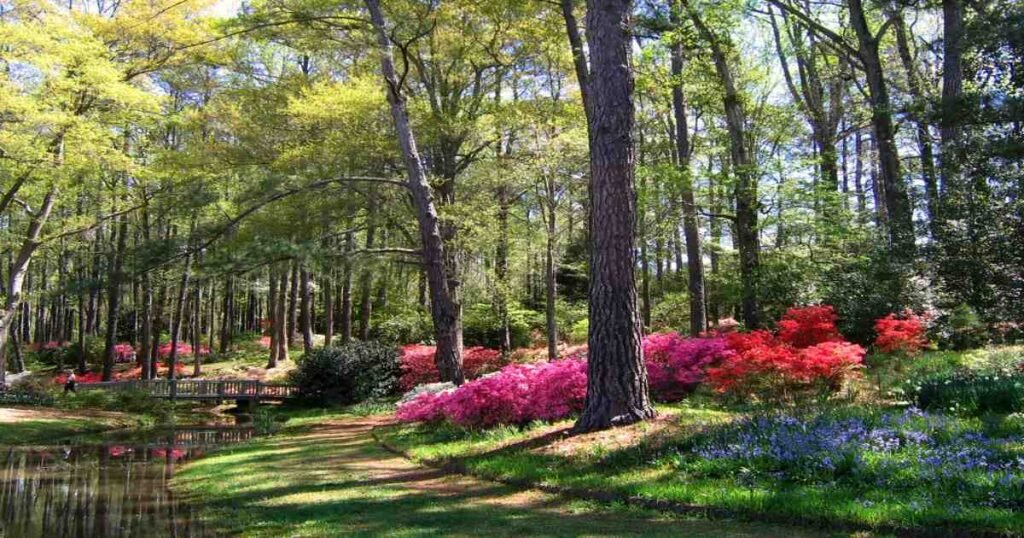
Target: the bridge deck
(200, 389)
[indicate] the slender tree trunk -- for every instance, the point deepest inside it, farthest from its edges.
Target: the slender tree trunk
(346, 291)
(445, 312)
(197, 329)
(616, 377)
(694, 256)
(293, 305)
(748, 242)
(366, 278)
(114, 280)
(922, 128)
(306, 315)
(18, 270)
(899, 218)
(227, 315)
(551, 283)
(328, 287)
(179, 310)
(282, 315)
(501, 269)
(275, 348)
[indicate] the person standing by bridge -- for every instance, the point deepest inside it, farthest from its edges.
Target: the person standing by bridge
(69, 385)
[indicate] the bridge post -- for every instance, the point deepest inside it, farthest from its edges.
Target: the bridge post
(174, 388)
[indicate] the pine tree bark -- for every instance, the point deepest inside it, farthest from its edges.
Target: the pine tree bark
(617, 390)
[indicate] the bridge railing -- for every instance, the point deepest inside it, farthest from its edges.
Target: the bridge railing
(207, 389)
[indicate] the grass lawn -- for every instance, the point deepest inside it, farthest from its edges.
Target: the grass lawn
(655, 462)
(324, 475)
(35, 425)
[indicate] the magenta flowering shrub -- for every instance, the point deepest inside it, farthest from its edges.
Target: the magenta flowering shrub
(517, 394)
(676, 365)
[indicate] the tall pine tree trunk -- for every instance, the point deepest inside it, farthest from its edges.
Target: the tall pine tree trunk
(617, 390)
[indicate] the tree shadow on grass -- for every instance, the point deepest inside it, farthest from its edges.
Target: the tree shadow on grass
(344, 485)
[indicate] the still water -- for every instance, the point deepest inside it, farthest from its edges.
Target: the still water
(114, 487)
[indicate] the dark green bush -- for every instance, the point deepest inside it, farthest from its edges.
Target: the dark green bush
(960, 329)
(348, 374)
(970, 393)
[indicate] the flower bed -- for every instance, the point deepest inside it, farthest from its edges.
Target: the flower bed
(913, 459)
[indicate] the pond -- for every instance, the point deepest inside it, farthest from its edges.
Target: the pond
(115, 486)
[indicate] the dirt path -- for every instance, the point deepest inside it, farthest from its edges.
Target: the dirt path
(334, 480)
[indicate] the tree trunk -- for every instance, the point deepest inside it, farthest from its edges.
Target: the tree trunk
(328, 287)
(922, 128)
(114, 298)
(616, 377)
(293, 305)
(501, 269)
(227, 315)
(306, 314)
(346, 291)
(445, 312)
(551, 285)
(274, 320)
(899, 218)
(281, 304)
(748, 242)
(691, 231)
(952, 86)
(366, 278)
(179, 311)
(18, 270)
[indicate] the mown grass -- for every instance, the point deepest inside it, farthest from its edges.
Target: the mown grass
(53, 430)
(310, 481)
(659, 469)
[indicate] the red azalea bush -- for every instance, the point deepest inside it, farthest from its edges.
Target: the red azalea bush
(808, 354)
(676, 365)
(418, 364)
(903, 334)
(517, 394)
(809, 325)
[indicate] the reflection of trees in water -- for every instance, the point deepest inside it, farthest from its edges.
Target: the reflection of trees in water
(102, 491)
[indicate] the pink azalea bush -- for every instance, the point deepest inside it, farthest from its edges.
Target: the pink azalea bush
(124, 352)
(517, 394)
(676, 365)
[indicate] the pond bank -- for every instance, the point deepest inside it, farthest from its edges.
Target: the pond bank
(40, 425)
(327, 476)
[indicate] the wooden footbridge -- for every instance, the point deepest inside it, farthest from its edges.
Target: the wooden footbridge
(241, 390)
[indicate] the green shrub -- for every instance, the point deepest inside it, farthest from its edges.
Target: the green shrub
(404, 327)
(579, 332)
(960, 329)
(481, 326)
(970, 393)
(348, 374)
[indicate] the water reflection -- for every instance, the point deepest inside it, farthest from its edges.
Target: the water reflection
(114, 489)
